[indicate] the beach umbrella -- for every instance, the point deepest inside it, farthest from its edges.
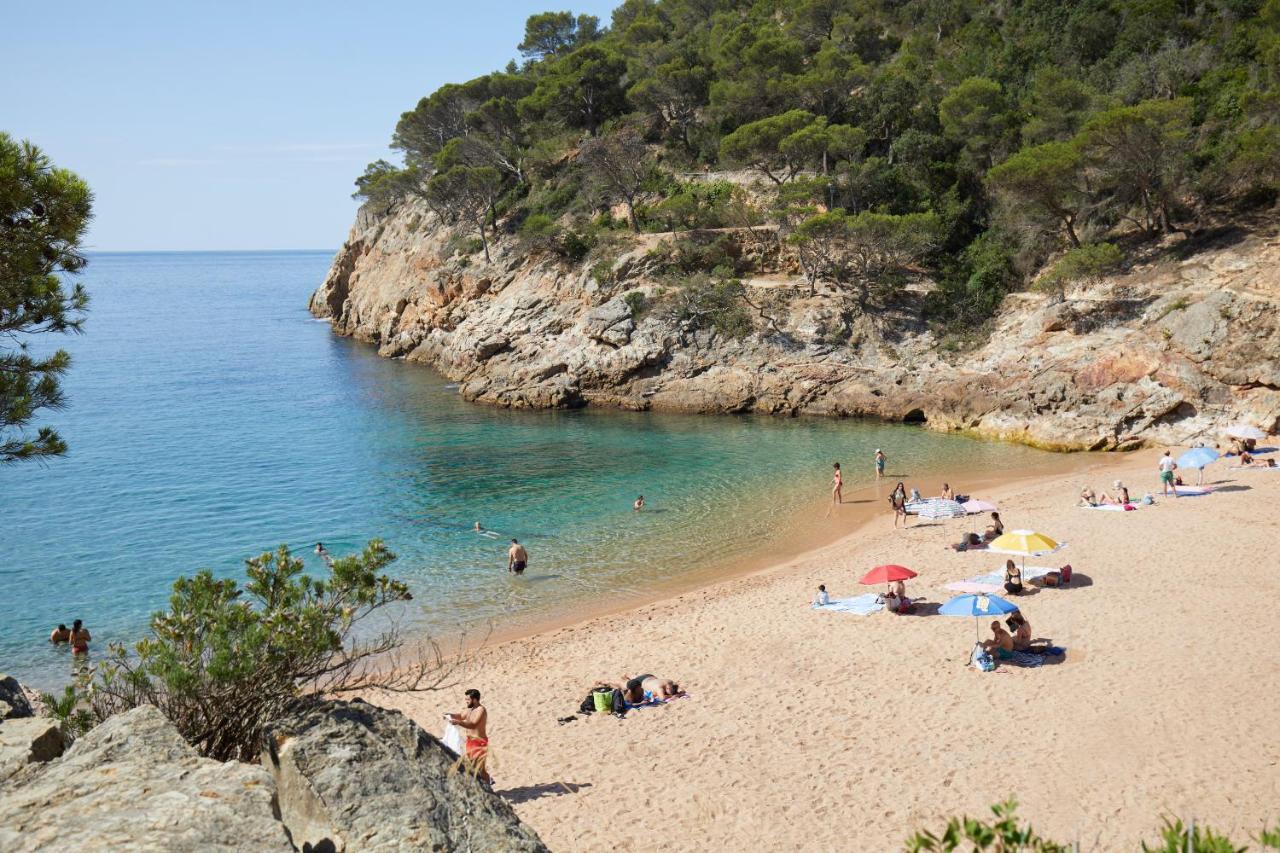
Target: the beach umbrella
(1198, 457)
(1024, 543)
(975, 505)
(941, 508)
(977, 606)
(887, 574)
(1245, 431)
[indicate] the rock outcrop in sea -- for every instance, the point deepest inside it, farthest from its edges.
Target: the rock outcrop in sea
(335, 776)
(1171, 351)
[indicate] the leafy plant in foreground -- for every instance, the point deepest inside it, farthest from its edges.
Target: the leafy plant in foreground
(226, 659)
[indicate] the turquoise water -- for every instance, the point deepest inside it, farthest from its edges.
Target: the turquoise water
(211, 418)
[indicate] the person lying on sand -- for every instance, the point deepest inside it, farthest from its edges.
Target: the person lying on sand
(1087, 497)
(644, 688)
(970, 542)
(1001, 646)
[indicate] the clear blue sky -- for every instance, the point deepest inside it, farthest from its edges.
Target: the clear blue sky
(236, 125)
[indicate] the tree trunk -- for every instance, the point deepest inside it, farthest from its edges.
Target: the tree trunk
(631, 216)
(1071, 233)
(484, 241)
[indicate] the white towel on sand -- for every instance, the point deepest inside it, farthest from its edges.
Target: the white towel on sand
(862, 605)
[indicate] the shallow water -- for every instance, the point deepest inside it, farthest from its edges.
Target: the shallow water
(211, 418)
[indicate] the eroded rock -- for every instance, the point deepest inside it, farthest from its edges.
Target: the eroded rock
(132, 783)
(359, 777)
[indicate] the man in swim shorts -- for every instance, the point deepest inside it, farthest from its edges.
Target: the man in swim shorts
(1001, 647)
(475, 720)
(517, 558)
(1167, 466)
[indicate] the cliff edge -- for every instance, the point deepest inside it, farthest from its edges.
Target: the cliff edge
(1172, 350)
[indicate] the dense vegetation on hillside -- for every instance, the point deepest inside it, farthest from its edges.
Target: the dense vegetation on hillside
(970, 140)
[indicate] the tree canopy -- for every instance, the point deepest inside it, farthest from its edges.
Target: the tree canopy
(1031, 126)
(44, 211)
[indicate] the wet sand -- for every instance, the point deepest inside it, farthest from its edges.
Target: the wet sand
(809, 730)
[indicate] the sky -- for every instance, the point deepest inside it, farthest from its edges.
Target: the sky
(235, 125)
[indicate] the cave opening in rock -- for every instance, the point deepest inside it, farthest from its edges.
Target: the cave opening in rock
(915, 416)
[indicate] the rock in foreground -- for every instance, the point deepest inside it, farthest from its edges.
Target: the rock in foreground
(351, 776)
(133, 783)
(13, 701)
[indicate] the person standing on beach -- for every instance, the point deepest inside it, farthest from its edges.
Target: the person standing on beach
(898, 500)
(880, 459)
(1167, 467)
(837, 484)
(475, 720)
(517, 558)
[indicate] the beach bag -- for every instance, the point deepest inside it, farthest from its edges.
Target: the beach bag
(981, 659)
(602, 698)
(1065, 574)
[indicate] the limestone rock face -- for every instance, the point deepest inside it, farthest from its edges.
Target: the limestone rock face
(133, 783)
(27, 740)
(355, 777)
(1170, 352)
(13, 701)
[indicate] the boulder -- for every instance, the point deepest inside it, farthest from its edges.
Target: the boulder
(13, 699)
(133, 783)
(27, 740)
(352, 776)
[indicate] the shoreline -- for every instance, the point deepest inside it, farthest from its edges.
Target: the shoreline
(776, 556)
(810, 718)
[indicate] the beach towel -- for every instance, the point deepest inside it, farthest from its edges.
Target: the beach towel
(1032, 659)
(1112, 507)
(1194, 491)
(453, 738)
(996, 578)
(1249, 468)
(862, 605)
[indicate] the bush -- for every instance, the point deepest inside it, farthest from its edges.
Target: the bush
(1087, 263)
(577, 244)
(701, 302)
(539, 230)
(226, 659)
(1006, 834)
(637, 302)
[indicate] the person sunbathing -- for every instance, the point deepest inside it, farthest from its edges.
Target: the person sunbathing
(1012, 578)
(947, 494)
(896, 601)
(970, 542)
(1001, 645)
(660, 688)
(1121, 497)
(1021, 629)
(994, 529)
(1087, 497)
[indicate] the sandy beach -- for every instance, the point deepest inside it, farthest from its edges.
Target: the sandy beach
(810, 730)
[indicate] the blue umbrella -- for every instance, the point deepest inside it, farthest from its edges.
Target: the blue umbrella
(1198, 457)
(977, 606)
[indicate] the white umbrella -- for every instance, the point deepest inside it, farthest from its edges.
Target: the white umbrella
(1245, 431)
(942, 508)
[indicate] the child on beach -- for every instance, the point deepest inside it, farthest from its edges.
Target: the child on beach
(823, 599)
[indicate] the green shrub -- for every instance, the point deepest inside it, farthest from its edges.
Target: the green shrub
(225, 658)
(701, 302)
(577, 244)
(636, 302)
(539, 230)
(1087, 263)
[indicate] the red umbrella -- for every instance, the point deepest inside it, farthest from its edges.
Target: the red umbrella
(887, 574)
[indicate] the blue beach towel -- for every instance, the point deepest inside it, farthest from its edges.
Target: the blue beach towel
(1029, 659)
(862, 605)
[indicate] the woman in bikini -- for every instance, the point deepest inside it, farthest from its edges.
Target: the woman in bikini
(837, 483)
(898, 500)
(1012, 578)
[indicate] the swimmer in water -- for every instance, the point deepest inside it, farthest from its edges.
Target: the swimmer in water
(639, 504)
(324, 554)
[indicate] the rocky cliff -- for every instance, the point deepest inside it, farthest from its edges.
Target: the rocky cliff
(1180, 345)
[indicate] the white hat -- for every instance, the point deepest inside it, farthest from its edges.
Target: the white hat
(877, 450)
(1119, 485)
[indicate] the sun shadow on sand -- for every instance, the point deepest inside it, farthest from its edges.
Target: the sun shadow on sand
(1078, 579)
(1236, 488)
(528, 793)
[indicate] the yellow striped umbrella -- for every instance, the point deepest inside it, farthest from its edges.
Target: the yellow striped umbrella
(1024, 543)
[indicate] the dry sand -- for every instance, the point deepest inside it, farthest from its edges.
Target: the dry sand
(810, 730)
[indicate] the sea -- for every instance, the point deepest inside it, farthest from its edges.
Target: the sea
(210, 418)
